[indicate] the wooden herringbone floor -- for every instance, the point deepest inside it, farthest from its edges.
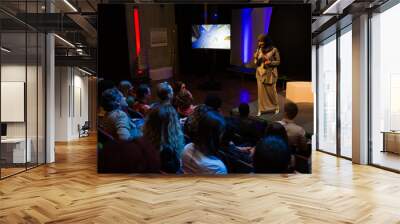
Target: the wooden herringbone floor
(70, 191)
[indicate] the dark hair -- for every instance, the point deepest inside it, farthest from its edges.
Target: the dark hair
(164, 91)
(244, 109)
(142, 91)
(272, 155)
(210, 131)
(111, 99)
(213, 101)
(291, 110)
(130, 100)
(124, 86)
(191, 127)
(276, 129)
(183, 99)
(177, 86)
(162, 128)
(102, 86)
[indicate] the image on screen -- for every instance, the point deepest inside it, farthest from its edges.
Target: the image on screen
(211, 36)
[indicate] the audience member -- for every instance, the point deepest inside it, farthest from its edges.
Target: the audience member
(184, 103)
(276, 129)
(165, 93)
(249, 130)
(272, 155)
(192, 122)
(101, 87)
(125, 88)
(163, 130)
(116, 122)
(296, 134)
(143, 95)
(213, 101)
(179, 86)
(201, 156)
(244, 110)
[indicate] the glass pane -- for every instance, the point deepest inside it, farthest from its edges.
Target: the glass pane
(32, 96)
(327, 96)
(41, 98)
(385, 84)
(346, 94)
(14, 153)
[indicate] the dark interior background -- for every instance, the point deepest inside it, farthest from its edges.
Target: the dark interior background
(290, 30)
(113, 49)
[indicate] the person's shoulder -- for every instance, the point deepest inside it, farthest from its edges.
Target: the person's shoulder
(215, 166)
(299, 129)
(117, 114)
(188, 148)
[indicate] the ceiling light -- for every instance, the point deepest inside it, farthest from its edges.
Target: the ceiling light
(70, 5)
(84, 71)
(5, 50)
(65, 41)
(331, 7)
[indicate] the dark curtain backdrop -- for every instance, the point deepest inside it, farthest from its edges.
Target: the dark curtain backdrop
(290, 30)
(113, 48)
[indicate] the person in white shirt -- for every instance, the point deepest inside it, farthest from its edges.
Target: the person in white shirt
(201, 156)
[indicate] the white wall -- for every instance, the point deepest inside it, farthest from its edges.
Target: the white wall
(33, 127)
(16, 73)
(71, 102)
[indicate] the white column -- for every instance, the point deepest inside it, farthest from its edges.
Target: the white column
(50, 99)
(360, 90)
(50, 93)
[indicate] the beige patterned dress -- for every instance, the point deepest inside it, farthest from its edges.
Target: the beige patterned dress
(267, 76)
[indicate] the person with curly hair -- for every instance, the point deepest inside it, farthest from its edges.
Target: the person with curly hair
(163, 130)
(184, 103)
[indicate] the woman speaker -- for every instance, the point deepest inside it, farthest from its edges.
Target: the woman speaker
(267, 60)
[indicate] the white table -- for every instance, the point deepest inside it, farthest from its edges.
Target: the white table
(17, 146)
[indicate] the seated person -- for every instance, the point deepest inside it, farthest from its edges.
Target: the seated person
(201, 156)
(190, 127)
(125, 87)
(272, 155)
(165, 93)
(179, 86)
(143, 95)
(296, 134)
(249, 130)
(162, 129)
(276, 129)
(214, 102)
(184, 103)
(137, 156)
(101, 87)
(116, 122)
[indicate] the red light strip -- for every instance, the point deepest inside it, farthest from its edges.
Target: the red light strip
(137, 30)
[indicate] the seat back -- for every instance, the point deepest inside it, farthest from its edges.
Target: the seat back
(115, 156)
